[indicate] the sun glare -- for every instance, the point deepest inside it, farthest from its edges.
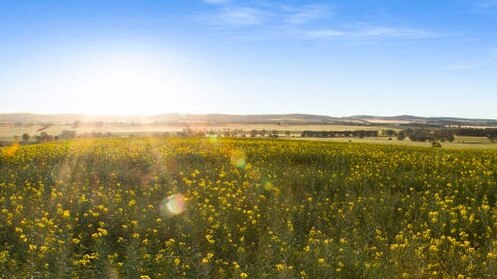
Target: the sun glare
(118, 81)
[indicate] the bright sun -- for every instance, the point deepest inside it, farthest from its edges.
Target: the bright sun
(126, 82)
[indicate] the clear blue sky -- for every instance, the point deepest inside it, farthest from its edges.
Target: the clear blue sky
(384, 57)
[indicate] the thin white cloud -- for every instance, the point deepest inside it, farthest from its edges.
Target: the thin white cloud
(303, 14)
(228, 13)
(484, 6)
(216, 2)
(323, 33)
(240, 16)
(487, 4)
(284, 20)
(382, 31)
(372, 32)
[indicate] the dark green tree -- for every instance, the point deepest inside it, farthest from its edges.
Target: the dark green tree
(26, 137)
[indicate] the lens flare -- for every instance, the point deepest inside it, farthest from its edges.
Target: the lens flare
(173, 205)
(11, 150)
(238, 159)
(213, 138)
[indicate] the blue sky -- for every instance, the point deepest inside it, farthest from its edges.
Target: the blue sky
(429, 58)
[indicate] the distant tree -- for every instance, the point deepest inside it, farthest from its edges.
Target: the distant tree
(16, 138)
(444, 135)
(253, 133)
(390, 133)
(263, 133)
(421, 135)
(43, 137)
(451, 138)
(401, 135)
(26, 137)
(360, 134)
(68, 134)
(287, 133)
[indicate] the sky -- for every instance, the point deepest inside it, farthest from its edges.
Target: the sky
(338, 58)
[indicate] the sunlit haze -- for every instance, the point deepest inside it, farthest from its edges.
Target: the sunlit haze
(249, 57)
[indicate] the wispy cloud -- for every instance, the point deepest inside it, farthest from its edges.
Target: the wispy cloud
(229, 13)
(487, 4)
(403, 32)
(372, 32)
(296, 21)
(239, 16)
(322, 33)
(216, 2)
(304, 14)
(484, 7)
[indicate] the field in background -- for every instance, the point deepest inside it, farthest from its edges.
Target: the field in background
(8, 133)
(459, 143)
(245, 208)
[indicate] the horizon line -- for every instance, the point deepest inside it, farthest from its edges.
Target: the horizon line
(243, 114)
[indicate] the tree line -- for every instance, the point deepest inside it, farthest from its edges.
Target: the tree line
(423, 134)
(339, 134)
(64, 135)
(490, 133)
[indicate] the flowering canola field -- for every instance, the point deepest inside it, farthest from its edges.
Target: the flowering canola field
(221, 208)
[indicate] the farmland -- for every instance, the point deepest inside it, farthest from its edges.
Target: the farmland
(459, 143)
(246, 208)
(8, 133)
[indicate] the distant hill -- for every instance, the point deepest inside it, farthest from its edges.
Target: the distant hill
(289, 119)
(427, 120)
(171, 118)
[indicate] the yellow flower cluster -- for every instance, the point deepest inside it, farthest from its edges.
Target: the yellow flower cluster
(176, 208)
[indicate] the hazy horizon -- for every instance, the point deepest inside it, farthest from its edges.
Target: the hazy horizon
(95, 116)
(334, 58)
(241, 114)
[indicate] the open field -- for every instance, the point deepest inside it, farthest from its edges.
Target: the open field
(459, 143)
(464, 142)
(8, 133)
(252, 208)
